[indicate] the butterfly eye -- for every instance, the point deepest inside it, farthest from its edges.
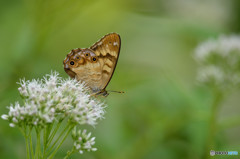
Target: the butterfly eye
(94, 59)
(71, 63)
(87, 54)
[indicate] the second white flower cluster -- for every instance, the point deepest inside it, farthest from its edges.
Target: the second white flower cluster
(219, 62)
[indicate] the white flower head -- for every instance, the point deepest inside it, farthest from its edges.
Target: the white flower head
(52, 98)
(223, 46)
(219, 61)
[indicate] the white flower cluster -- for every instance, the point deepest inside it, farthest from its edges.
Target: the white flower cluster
(52, 99)
(219, 61)
(83, 141)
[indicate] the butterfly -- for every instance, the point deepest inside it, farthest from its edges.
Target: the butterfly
(95, 65)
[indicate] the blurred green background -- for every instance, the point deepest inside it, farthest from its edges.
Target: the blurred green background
(164, 112)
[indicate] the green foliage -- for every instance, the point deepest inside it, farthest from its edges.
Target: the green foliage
(164, 113)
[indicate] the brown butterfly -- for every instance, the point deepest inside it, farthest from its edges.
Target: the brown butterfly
(95, 65)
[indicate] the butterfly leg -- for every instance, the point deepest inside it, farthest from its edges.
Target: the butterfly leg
(101, 92)
(105, 93)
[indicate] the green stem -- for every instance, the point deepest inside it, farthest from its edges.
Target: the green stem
(47, 131)
(212, 125)
(31, 145)
(27, 147)
(44, 140)
(53, 134)
(58, 139)
(38, 147)
(69, 153)
(24, 132)
(55, 151)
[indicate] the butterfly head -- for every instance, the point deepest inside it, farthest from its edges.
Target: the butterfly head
(77, 58)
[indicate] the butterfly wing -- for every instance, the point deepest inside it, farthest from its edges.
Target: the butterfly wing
(107, 50)
(95, 65)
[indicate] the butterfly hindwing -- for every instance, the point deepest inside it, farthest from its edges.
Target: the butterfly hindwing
(107, 50)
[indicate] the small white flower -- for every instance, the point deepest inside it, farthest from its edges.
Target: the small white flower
(52, 110)
(4, 117)
(92, 139)
(94, 149)
(35, 122)
(80, 139)
(88, 136)
(78, 146)
(12, 125)
(14, 120)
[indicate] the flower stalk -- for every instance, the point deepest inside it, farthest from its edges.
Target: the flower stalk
(219, 69)
(212, 129)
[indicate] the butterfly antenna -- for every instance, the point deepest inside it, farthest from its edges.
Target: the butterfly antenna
(116, 91)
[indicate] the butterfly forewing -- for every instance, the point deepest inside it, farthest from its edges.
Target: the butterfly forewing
(107, 50)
